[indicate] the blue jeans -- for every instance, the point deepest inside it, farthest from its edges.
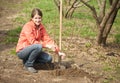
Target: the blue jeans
(32, 54)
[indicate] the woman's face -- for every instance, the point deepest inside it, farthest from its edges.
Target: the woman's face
(37, 19)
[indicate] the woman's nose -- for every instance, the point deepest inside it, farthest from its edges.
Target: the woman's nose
(38, 20)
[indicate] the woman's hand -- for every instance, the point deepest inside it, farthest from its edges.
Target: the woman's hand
(59, 53)
(51, 47)
(62, 55)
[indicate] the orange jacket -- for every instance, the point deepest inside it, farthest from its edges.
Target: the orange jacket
(31, 35)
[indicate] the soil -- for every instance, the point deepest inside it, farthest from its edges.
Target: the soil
(85, 63)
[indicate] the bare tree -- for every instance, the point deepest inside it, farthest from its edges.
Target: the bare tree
(69, 7)
(104, 20)
(57, 3)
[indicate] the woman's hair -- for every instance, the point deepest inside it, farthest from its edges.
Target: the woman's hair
(36, 11)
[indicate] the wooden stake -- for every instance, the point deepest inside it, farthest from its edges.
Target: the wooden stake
(60, 32)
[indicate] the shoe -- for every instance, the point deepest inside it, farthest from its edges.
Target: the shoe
(30, 69)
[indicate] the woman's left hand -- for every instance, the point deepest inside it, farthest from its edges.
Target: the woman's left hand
(51, 47)
(62, 55)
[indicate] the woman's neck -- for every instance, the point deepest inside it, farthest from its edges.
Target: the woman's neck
(37, 26)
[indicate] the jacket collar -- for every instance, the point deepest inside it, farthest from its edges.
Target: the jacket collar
(33, 24)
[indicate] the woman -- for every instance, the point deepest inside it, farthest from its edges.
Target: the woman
(33, 38)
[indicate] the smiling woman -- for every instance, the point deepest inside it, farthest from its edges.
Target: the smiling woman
(33, 38)
(36, 16)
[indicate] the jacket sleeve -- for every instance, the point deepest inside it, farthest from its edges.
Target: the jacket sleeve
(48, 41)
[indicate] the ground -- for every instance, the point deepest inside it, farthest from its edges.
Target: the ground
(85, 65)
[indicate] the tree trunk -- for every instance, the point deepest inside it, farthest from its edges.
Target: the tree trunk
(109, 25)
(69, 13)
(102, 37)
(106, 24)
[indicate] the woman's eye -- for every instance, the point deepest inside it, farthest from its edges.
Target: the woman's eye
(38, 18)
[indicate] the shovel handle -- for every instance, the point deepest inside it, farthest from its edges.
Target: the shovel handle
(59, 59)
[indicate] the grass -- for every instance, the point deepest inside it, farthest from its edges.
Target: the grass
(82, 24)
(117, 29)
(117, 38)
(12, 35)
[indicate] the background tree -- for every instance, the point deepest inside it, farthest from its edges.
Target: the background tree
(69, 7)
(104, 17)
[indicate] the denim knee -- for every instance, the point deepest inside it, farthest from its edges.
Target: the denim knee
(38, 47)
(49, 59)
